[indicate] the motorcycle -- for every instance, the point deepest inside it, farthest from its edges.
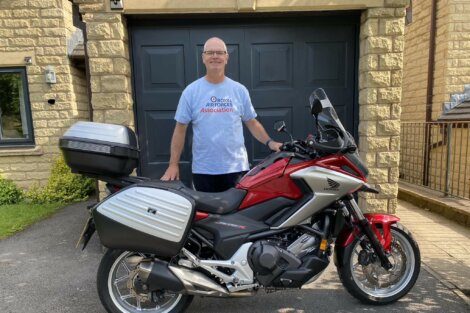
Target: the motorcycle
(276, 230)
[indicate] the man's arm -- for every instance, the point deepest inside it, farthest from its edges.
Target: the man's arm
(258, 131)
(177, 145)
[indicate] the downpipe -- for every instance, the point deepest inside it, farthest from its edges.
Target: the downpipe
(160, 275)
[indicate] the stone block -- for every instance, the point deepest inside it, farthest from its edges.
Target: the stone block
(54, 32)
(378, 175)
(389, 95)
(395, 143)
(122, 117)
(388, 159)
(376, 205)
(95, 7)
(393, 175)
(55, 12)
(378, 44)
(98, 31)
(16, 23)
(367, 128)
(368, 96)
(374, 112)
(369, 62)
(391, 127)
(392, 206)
(380, 12)
(14, 176)
(375, 79)
(101, 65)
(392, 26)
(45, 115)
(396, 78)
(111, 48)
(370, 28)
(118, 31)
(391, 61)
(114, 83)
(395, 111)
(388, 190)
(95, 83)
(396, 3)
(374, 143)
(49, 41)
(122, 66)
(25, 13)
(398, 44)
(21, 42)
(41, 3)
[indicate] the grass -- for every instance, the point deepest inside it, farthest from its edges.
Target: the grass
(16, 217)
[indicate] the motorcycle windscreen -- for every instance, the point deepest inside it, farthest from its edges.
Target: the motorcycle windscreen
(145, 219)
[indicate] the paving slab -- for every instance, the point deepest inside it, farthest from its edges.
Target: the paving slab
(443, 243)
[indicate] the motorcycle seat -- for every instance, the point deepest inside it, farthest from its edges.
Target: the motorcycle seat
(209, 202)
(216, 202)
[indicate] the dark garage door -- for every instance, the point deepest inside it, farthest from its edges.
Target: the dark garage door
(280, 62)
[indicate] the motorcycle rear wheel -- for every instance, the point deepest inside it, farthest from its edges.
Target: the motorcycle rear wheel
(371, 283)
(115, 282)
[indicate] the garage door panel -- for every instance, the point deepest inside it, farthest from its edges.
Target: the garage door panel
(267, 117)
(164, 68)
(272, 65)
(326, 62)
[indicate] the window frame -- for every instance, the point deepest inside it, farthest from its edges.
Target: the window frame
(15, 142)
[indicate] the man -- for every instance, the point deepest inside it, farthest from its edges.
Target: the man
(216, 106)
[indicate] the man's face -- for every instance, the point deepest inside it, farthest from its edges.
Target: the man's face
(215, 56)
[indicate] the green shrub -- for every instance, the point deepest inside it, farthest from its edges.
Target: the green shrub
(63, 186)
(9, 192)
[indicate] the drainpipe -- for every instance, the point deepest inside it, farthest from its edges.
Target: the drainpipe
(429, 93)
(87, 73)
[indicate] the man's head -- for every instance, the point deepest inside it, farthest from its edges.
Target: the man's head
(215, 55)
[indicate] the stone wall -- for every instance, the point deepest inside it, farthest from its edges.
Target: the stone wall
(38, 28)
(380, 88)
(380, 77)
(415, 60)
(452, 56)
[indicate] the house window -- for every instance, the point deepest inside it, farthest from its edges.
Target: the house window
(15, 112)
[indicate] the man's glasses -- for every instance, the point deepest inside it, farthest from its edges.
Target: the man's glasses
(212, 53)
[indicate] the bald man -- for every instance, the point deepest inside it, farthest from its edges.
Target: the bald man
(216, 106)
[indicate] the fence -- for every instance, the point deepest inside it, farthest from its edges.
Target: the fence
(436, 155)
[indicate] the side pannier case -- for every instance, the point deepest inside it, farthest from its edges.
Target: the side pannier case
(100, 149)
(145, 218)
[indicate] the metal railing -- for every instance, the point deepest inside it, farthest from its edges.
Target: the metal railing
(436, 155)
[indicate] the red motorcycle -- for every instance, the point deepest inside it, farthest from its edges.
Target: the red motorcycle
(276, 230)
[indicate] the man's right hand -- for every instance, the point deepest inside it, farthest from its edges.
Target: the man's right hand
(171, 173)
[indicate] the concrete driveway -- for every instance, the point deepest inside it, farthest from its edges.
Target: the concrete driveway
(42, 272)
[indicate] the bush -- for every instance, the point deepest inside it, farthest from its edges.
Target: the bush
(9, 192)
(63, 186)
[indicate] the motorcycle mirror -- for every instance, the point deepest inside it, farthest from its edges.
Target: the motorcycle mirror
(315, 104)
(280, 126)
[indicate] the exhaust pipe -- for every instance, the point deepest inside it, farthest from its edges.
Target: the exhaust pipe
(156, 275)
(160, 275)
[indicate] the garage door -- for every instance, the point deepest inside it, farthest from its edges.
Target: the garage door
(280, 62)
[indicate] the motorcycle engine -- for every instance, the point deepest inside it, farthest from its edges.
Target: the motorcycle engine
(270, 260)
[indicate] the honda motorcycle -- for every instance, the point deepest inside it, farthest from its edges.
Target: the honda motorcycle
(276, 230)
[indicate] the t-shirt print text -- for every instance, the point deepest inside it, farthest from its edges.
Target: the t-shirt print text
(218, 105)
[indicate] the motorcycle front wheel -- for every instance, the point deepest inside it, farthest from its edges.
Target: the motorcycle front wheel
(120, 292)
(364, 278)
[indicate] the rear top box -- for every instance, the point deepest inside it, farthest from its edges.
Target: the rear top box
(100, 149)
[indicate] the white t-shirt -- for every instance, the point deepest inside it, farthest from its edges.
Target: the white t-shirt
(216, 112)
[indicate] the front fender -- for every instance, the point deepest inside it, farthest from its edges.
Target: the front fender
(376, 220)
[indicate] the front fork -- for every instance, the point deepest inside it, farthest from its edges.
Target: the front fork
(365, 226)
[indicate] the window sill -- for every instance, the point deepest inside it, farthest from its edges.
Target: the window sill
(20, 151)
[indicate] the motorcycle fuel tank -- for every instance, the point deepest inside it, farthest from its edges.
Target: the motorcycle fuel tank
(145, 219)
